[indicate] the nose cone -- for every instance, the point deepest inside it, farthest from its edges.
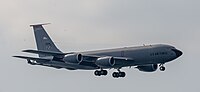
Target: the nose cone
(178, 52)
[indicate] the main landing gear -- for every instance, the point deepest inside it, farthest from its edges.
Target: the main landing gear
(100, 72)
(162, 68)
(118, 74)
(114, 74)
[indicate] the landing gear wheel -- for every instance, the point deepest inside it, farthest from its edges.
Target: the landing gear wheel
(122, 74)
(162, 68)
(118, 74)
(115, 74)
(104, 72)
(97, 73)
(101, 72)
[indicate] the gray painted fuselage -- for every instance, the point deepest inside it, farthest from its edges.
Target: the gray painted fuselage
(140, 55)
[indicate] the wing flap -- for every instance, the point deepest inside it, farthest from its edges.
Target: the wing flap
(123, 58)
(91, 58)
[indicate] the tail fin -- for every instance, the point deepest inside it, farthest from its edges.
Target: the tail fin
(43, 40)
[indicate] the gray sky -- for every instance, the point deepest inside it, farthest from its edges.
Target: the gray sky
(80, 25)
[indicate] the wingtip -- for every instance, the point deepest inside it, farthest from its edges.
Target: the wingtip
(29, 50)
(16, 56)
(25, 50)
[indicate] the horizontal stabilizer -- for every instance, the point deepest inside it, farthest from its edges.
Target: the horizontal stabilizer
(52, 53)
(32, 58)
(40, 24)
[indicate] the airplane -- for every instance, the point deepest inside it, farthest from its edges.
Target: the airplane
(146, 58)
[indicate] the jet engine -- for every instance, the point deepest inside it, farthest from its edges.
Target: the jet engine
(148, 68)
(73, 58)
(105, 61)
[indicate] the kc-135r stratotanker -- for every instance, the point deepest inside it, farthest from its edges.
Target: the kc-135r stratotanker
(145, 58)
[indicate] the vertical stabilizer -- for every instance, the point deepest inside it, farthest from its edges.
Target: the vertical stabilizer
(43, 41)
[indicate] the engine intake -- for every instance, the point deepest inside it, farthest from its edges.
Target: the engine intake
(105, 62)
(148, 68)
(73, 58)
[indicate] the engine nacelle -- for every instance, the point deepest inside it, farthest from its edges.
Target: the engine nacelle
(73, 58)
(148, 68)
(105, 62)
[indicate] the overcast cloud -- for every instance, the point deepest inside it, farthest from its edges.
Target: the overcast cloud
(81, 25)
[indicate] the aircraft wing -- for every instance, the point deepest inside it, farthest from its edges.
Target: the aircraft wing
(32, 58)
(86, 57)
(90, 58)
(96, 57)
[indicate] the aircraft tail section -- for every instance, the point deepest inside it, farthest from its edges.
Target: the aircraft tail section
(43, 41)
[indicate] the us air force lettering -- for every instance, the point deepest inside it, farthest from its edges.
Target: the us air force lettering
(146, 58)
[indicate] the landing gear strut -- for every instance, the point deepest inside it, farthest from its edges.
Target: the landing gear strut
(162, 68)
(118, 74)
(100, 72)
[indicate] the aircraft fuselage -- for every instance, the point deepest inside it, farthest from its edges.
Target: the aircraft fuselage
(140, 55)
